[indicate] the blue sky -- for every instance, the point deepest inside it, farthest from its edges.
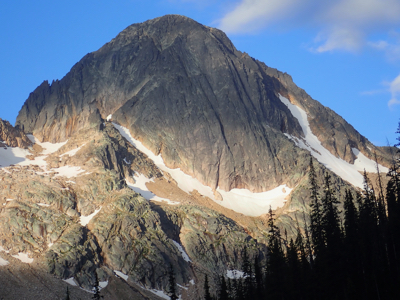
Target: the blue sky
(343, 53)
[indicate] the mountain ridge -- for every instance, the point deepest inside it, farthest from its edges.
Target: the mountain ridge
(165, 94)
(186, 92)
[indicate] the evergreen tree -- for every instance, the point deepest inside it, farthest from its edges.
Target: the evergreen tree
(248, 275)
(330, 262)
(294, 273)
(67, 296)
(172, 284)
(316, 214)
(276, 264)
(304, 268)
(223, 290)
(372, 251)
(393, 239)
(351, 246)
(96, 294)
(258, 278)
(231, 289)
(207, 295)
(239, 291)
(308, 244)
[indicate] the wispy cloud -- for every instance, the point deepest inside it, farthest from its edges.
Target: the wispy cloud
(394, 87)
(339, 24)
(374, 92)
(391, 46)
(390, 87)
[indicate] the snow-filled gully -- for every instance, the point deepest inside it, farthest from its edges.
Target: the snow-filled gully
(239, 200)
(347, 171)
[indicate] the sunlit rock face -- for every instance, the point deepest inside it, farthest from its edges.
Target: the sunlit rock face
(185, 91)
(12, 137)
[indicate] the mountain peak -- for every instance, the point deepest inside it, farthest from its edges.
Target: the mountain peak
(185, 91)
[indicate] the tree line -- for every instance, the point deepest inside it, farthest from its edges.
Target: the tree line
(354, 254)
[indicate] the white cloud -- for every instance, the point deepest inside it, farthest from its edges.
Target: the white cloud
(348, 39)
(379, 45)
(340, 24)
(395, 91)
(391, 46)
(251, 15)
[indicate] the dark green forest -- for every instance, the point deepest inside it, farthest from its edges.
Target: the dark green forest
(348, 254)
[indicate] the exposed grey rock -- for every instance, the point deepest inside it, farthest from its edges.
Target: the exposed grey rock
(187, 93)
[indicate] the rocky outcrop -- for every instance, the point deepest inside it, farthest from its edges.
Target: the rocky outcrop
(12, 137)
(41, 211)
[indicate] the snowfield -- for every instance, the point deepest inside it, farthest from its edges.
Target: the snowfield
(73, 151)
(182, 251)
(347, 171)
(255, 204)
(235, 274)
(17, 156)
(3, 262)
(84, 220)
(122, 275)
(23, 257)
(139, 186)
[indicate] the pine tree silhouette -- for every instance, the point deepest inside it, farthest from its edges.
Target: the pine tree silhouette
(207, 295)
(172, 284)
(97, 295)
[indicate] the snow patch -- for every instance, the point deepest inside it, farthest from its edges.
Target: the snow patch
(140, 187)
(3, 262)
(48, 147)
(43, 204)
(18, 156)
(127, 162)
(159, 293)
(337, 165)
(67, 171)
(72, 152)
(12, 156)
(84, 220)
(109, 117)
(122, 275)
(71, 281)
(255, 204)
(191, 281)
(23, 257)
(235, 274)
(362, 162)
(182, 287)
(185, 182)
(102, 284)
(3, 250)
(182, 251)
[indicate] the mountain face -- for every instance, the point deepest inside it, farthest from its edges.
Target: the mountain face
(185, 91)
(87, 192)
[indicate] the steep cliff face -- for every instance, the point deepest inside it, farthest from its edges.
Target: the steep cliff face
(185, 91)
(12, 137)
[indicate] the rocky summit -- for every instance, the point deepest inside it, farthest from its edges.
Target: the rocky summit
(163, 149)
